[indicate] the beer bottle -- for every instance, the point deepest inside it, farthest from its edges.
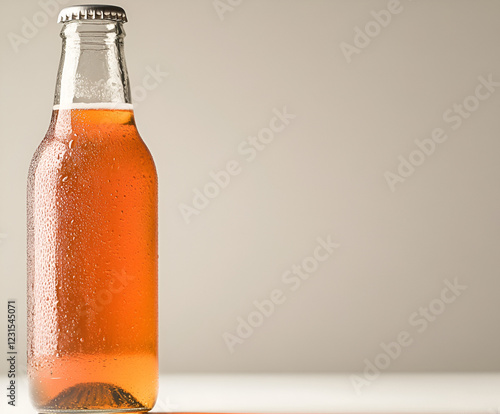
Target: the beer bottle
(92, 233)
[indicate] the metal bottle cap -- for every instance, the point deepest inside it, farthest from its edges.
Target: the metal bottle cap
(92, 12)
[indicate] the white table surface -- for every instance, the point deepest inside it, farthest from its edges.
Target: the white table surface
(391, 393)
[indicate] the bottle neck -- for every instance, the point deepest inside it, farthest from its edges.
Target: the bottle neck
(92, 71)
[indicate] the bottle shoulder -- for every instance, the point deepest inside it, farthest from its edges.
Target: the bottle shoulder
(90, 148)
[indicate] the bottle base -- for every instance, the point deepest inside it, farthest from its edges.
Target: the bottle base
(94, 397)
(100, 411)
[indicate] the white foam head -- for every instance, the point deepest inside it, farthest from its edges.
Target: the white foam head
(117, 106)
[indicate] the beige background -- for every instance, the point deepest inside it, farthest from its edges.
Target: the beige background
(322, 175)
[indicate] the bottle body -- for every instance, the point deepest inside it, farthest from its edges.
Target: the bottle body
(92, 264)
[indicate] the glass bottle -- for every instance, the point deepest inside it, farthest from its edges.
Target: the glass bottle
(92, 233)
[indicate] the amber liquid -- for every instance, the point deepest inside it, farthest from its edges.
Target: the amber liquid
(92, 265)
